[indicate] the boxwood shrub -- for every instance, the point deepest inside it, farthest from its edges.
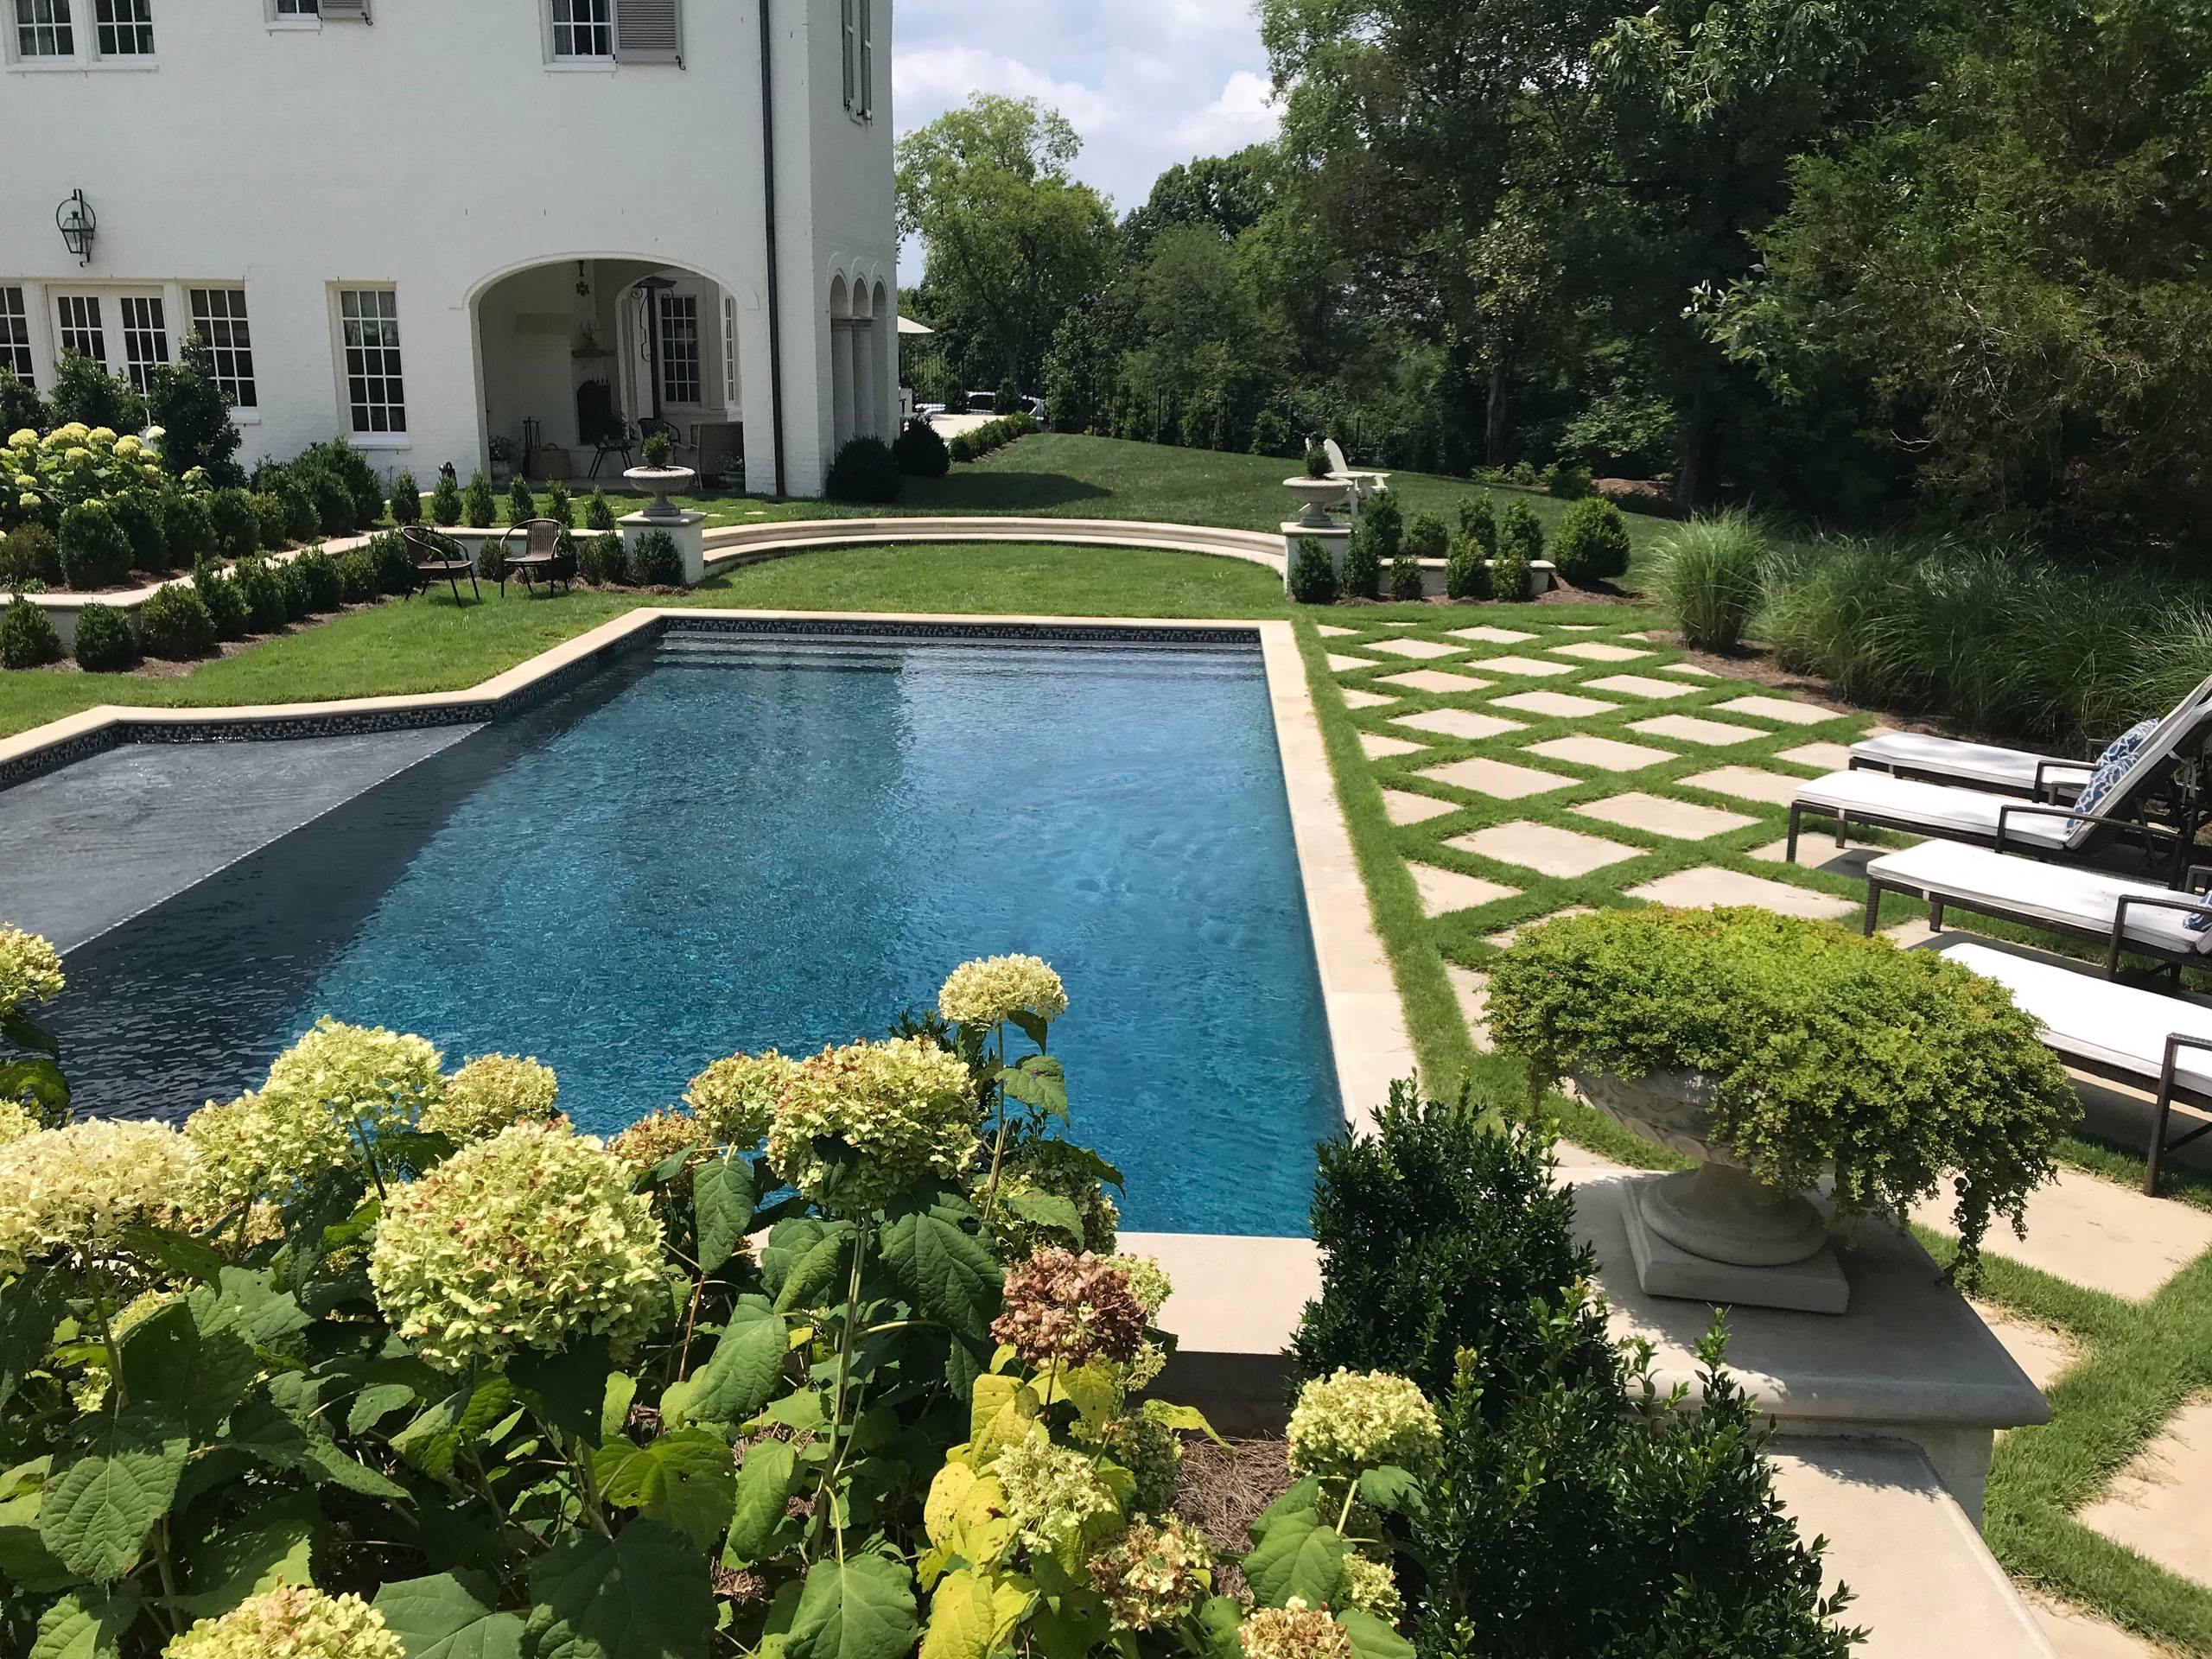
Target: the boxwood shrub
(558, 507)
(140, 514)
(319, 573)
(655, 562)
(27, 636)
(446, 505)
(395, 565)
(1426, 537)
(865, 471)
(1591, 543)
(921, 452)
(292, 583)
(1406, 584)
(599, 511)
(95, 553)
(188, 521)
(226, 605)
(1312, 577)
(29, 553)
(238, 526)
(105, 641)
(406, 499)
(356, 576)
(269, 529)
(262, 593)
(479, 508)
(302, 515)
(603, 560)
(174, 624)
(1466, 572)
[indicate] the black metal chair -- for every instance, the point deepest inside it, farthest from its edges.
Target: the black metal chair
(540, 557)
(436, 558)
(616, 440)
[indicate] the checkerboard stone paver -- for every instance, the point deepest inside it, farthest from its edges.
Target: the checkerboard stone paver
(2074, 1634)
(2156, 1505)
(2094, 1232)
(1419, 649)
(1499, 778)
(1554, 705)
(1709, 886)
(1343, 664)
(1491, 636)
(1461, 722)
(1597, 651)
(1827, 757)
(1785, 710)
(1356, 698)
(2037, 1350)
(1689, 728)
(1749, 782)
(1472, 990)
(1504, 941)
(1436, 681)
(1578, 627)
(1690, 669)
(1821, 852)
(1444, 891)
(1532, 668)
(1326, 631)
(1638, 685)
(1606, 754)
(1543, 848)
(1677, 819)
(1404, 808)
(1380, 747)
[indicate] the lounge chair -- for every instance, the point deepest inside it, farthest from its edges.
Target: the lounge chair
(2159, 1042)
(2161, 765)
(1363, 484)
(2121, 914)
(1983, 766)
(438, 557)
(540, 558)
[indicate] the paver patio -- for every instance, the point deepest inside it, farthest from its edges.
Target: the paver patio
(1444, 891)
(1607, 754)
(1380, 747)
(2156, 1506)
(1488, 635)
(1827, 756)
(1641, 685)
(1747, 782)
(1356, 698)
(1461, 722)
(1785, 710)
(1689, 728)
(1681, 820)
(1414, 809)
(1441, 682)
(1345, 664)
(1497, 777)
(1535, 668)
(1708, 886)
(1597, 651)
(1554, 705)
(1541, 848)
(1419, 650)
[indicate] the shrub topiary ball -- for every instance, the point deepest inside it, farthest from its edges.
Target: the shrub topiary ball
(95, 553)
(105, 641)
(655, 562)
(176, 623)
(921, 452)
(27, 636)
(1591, 543)
(865, 471)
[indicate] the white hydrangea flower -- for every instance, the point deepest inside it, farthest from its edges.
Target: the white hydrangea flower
(1358, 1420)
(75, 1190)
(901, 1110)
(995, 988)
(291, 1621)
(488, 1093)
(358, 1074)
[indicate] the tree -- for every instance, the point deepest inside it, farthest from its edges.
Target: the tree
(2016, 266)
(193, 411)
(1226, 193)
(1014, 242)
(83, 391)
(20, 406)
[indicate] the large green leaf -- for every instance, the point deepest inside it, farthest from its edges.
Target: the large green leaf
(269, 1315)
(100, 1507)
(1298, 1557)
(962, 1617)
(285, 1440)
(742, 1373)
(1045, 1210)
(1220, 1619)
(686, 1479)
(567, 1390)
(813, 1260)
(87, 1625)
(191, 1358)
(449, 1616)
(375, 1403)
(1039, 1082)
(943, 1269)
(184, 1255)
(268, 1548)
(1372, 1637)
(20, 1030)
(723, 1192)
(764, 1485)
(30, 1306)
(1303, 1497)
(1388, 1487)
(38, 1080)
(642, 1594)
(862, 1607)
(26, 1564)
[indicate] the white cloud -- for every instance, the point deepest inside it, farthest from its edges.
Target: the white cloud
(1146, 83)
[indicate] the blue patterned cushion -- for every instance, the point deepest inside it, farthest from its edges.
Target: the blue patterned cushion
(2197, 920)
(2114, 763)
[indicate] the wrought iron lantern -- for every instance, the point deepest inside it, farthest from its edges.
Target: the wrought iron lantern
(78, 225)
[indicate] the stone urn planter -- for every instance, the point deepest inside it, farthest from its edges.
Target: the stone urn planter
(663, 481)
(1315, 497)
(1719, 1210)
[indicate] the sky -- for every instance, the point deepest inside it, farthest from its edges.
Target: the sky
(1147, 83)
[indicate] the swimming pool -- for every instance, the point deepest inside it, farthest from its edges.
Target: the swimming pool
(729, 841)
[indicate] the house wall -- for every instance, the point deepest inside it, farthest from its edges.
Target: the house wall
(436, 151)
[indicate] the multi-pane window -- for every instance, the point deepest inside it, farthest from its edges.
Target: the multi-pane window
(14, 333)
(369, 320)
(299, 7)
(145, 338)
(219, 318)
(43, 29)
(583, 29)
(125, 27)
(860, 57)
(729, 351)
(79, 318)
(679, 348)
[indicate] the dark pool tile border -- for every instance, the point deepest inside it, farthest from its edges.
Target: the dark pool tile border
(649, 632)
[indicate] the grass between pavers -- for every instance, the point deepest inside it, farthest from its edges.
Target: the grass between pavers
(432, 644)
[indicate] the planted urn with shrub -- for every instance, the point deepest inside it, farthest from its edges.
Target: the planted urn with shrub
(105, 642)
(1778, 1051)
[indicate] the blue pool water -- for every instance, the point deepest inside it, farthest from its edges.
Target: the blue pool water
(731, 843)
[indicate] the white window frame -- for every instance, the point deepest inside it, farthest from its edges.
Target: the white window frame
(219, 317)
(867, 77)
(115, 21)
(677, 307)
(78, 319)
(55, 20)
(142, 319)
(599, 28)
(15, 331)
(729, 351)
(849, 38)
(295, 12)
(390, 368)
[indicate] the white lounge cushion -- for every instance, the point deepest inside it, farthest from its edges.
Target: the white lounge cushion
(1937, 807)
(1973, 763)
(2094, 1019)
(1976, 878)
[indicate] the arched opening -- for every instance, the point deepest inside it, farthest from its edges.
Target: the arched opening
(864, 421)
(841, 364)
(578, 358)
(880, 350)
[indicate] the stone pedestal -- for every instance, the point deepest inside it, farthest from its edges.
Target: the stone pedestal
(687, 530)
(1813, 1284)
(1335, 539)
(1910, 1361)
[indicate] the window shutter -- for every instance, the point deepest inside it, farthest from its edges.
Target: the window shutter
(345, 11)
(648, 31)
(865, 104)
(852, 101)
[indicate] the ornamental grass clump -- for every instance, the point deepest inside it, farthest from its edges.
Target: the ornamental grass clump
(525, 1241)
(73, 1193)
(490, 1092)
(1906, 1072)
(855, 1126)
(291, 1621)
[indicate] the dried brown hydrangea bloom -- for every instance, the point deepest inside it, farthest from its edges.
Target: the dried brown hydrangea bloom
(1070, 1308)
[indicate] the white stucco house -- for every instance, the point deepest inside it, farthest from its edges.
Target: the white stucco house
(422, 226)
